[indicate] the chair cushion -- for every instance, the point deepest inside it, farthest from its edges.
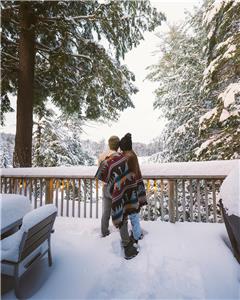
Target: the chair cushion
(10, 246)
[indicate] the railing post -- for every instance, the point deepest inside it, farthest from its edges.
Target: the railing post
(49, 191)
(171, 201)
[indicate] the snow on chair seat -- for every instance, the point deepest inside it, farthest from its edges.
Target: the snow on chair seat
(30, 243)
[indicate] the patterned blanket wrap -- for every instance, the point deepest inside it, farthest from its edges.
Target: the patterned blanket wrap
(125, 189)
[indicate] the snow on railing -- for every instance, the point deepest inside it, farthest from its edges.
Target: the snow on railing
(186, 191)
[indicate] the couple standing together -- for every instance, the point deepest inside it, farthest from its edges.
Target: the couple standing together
(123, 192)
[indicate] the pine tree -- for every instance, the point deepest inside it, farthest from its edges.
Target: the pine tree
(57, 143)
(6, 149)
(179, 74)
(220, 125)
(70, 51)
(5, 159)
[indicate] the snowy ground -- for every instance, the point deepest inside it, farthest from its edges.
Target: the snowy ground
(177, 261)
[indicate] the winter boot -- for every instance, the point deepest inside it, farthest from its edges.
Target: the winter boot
(105, 234)
(135, 242)
(130, 251)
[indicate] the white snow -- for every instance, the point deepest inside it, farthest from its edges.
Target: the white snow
(208, 115)
(79, 171)
(214, 9)
(204, 168)
(224, 115)
(228, 41)
(230, 191)
(176, 261)
(230, 52)
(203, 146)
(13, 207)
(228, 96)
(10, 246)
(37, 215)
(181, 129)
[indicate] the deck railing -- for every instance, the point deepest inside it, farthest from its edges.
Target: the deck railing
(171, 197)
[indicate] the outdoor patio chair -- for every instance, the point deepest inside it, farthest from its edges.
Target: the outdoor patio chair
(232, 224)
(30, 243)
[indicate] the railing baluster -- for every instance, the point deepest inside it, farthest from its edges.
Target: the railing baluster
(79, 198)
(198, 200)
(161, 200)
(206, 199)
(67, 197)
(35, 194)
(221, 220)
(56, 192)
(30, 189)
(171, 201)
(15, 185)
(73, 199)
(97, 198)
(149, 201)
(85, 198)
(91, 198)
(10, 185)
(49, 190)
(5, 185)
(41, 191)
(155, 198)
(1, 187)
(22, 186)
(183, 200)
(214, 202)
(25, 186)
(191, 199)
(62, 195)
(176, 200)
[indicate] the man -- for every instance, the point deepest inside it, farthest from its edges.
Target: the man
(113, 171)
(113, 144)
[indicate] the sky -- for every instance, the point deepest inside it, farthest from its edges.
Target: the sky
(142, 122)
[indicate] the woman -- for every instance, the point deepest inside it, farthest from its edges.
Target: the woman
(133, 165)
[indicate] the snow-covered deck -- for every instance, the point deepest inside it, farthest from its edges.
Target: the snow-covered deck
(177, 261)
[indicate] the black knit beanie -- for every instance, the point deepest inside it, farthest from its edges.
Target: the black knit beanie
(126, 142)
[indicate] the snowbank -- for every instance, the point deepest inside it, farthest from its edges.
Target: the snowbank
(176, 261)
(230, 191)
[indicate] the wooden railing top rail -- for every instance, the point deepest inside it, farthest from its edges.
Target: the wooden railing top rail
(181, 170)
(153, 177)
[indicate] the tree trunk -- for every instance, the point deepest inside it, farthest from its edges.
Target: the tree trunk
(23, 139)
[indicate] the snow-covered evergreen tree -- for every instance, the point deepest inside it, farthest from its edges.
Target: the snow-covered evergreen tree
(6, 149)
(199, 85)
(71, 51)
(179, 74)
(57, 143)
(220, 125)
(5, 159)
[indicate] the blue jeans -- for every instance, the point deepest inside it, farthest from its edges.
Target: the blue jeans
(136, 228)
